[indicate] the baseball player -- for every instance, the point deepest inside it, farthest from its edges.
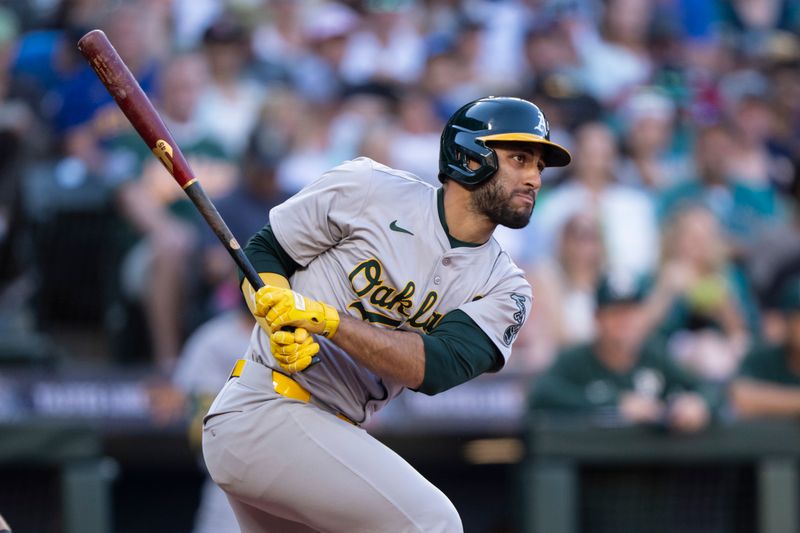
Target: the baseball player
(395, 284)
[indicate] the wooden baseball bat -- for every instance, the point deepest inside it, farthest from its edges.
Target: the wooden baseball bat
(136, 106)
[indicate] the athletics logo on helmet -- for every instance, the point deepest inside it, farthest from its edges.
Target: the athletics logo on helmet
(543, 127)
(496, 118)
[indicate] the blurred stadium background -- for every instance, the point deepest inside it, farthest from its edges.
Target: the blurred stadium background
(119, 314)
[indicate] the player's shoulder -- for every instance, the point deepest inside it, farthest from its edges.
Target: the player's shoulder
(505, 270)
(386, 174)
(503, 262)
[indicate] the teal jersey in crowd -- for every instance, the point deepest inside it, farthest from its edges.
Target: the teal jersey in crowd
(742, 209)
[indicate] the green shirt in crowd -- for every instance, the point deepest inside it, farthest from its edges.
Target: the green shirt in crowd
(578, 381)
(131, 160)
(769, 363)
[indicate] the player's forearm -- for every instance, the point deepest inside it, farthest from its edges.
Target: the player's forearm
(753, 398)
(139, 208)
(398, 356)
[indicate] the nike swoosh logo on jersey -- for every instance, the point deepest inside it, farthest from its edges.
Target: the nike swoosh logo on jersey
(394, 227)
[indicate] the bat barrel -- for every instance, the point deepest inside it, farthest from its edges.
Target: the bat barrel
(134, 104)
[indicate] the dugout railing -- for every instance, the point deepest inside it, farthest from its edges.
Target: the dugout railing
(54, 478)
(588, 476)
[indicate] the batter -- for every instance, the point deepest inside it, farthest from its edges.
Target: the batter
(395, 284)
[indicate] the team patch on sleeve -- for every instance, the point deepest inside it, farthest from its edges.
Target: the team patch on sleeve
(519, 318)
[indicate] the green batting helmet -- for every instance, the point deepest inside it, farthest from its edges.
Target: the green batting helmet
(496, 118)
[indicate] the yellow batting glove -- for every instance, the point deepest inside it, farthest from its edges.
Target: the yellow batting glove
(284, 307)
(293, 350)
(249, 294)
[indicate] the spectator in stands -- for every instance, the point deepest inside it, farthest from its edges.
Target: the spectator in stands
(279, 41)
(229, 94)
(743, 208)
(779, 262)
(203, 368)
(500, 65)
(749, 25)
(86, 115)
(758, 161)
(626, 215)
(21, 136)
(388, 48)
(204, 365)
(616, 58)
(317, 73)
(45, 59)
(652, 162)
(768, 381)
(411, 142)
(448, 83)
(784, 69)
(552, 60)
(160, 220)
(701, 302)
(310, 151)
(243, 211)
(564, 313)
(622, 373)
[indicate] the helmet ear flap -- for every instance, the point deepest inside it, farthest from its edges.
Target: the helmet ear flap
(460, 165)
(466, 148)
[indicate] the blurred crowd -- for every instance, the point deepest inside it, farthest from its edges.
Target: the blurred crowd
(672, 237)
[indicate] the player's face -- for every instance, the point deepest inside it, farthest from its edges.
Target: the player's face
(509, 196)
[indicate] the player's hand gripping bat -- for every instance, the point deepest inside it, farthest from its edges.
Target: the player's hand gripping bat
(136, 106)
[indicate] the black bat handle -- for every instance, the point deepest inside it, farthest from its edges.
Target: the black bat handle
(199, 198)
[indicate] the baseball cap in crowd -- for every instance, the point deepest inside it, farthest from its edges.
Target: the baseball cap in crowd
(648, 102)
(789, 297)
(620, 289)
(225, 30)
(329, 21)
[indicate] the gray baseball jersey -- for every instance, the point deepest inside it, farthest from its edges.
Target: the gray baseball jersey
(371, 243)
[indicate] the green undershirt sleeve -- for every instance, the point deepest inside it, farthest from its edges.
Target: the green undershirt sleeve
(456, 351)
(267, 255)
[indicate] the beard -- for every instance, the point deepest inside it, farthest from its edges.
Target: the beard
(490, 200)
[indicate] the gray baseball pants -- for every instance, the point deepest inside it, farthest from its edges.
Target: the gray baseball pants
(289, 466)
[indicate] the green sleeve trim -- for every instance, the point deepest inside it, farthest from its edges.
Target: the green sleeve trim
(456, 351)
(267, 255)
